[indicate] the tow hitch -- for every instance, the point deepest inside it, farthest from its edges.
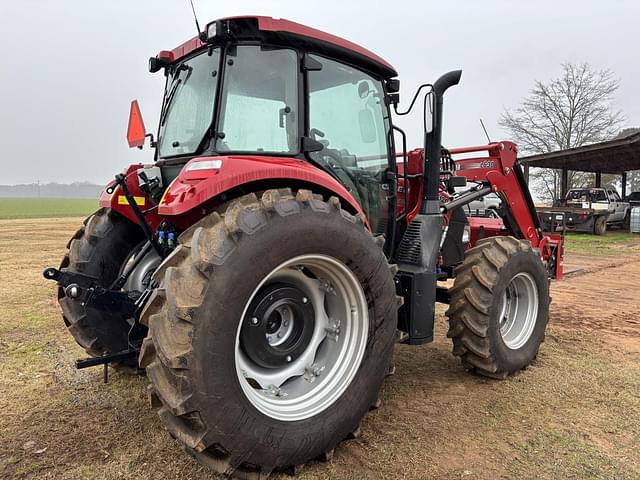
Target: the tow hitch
(106, 360)
(84, 289)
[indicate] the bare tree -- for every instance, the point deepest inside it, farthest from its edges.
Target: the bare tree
(572, 110)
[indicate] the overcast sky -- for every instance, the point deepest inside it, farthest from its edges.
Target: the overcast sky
(71, 67)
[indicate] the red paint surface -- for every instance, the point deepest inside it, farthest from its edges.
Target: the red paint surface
(415, 169)
(490, 227)
(166, 55)
(269, 24)
(110, 200)
(192, 188)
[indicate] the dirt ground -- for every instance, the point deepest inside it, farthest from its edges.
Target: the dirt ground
(573, 414)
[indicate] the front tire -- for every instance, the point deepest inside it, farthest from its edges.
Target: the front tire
(235, 274)
(499, 306)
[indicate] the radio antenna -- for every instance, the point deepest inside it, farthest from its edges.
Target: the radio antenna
(201, 34)
(485, 130)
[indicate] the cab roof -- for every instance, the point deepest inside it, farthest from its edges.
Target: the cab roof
(293, 34)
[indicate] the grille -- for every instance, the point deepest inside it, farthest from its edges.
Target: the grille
(410, 250)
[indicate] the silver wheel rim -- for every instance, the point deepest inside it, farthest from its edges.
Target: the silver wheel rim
(519, 310)
(312, 381)
(140, 278)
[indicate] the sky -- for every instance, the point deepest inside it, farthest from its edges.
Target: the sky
(70, 68)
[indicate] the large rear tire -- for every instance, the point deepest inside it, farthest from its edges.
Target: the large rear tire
(499, 306)
(243, 298)
(99, 249)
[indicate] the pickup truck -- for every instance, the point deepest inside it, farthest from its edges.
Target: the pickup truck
(587, 210)
(486, 206)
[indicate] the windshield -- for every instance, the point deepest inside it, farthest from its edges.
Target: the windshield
(189, 104)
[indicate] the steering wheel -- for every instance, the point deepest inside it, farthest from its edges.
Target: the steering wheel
(315, 133)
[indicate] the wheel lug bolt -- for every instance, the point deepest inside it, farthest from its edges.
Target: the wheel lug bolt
(254, 321)
(289, 358)
(279, 334)
(286, 323)
(305, 300)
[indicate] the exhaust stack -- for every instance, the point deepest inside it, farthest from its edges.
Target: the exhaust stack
(433, 144)
(420, 245)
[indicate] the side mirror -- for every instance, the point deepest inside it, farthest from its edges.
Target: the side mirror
(367, 126)
(363, 89)
(136, 133)
(429, 117)
(393, 85)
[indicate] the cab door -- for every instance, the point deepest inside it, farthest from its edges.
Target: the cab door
(348, 116)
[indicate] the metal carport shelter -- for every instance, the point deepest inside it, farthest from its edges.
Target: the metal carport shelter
(617, 156)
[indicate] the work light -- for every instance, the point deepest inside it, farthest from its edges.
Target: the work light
(212, 30)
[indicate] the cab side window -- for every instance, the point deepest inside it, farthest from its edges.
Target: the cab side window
(347, 114)
(349, 118)
(260, 98)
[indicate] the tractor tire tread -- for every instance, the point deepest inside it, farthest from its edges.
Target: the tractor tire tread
(167, 352)
(471, 300)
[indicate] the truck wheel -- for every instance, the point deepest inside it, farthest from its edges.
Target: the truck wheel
(499, 306)
(101, 248)
(600, 225)
(271, 332)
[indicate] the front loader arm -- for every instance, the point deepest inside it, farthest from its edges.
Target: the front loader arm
(502, 174)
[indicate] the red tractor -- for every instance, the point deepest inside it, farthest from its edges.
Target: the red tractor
(263, 268)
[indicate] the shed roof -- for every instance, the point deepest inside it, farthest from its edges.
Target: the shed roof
(613, 156)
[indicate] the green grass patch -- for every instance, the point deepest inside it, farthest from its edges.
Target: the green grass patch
(11, 208)
(613, 243)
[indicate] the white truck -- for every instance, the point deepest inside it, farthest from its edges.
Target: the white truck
(587, 210)
(486, 206)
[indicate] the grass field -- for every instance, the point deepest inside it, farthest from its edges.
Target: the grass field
(46, 207)
(613, 243)
(573, 414)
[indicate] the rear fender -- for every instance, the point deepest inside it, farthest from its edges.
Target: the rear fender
(112, 197)
(205, 178)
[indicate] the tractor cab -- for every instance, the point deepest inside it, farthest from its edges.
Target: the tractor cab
(272, 88)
